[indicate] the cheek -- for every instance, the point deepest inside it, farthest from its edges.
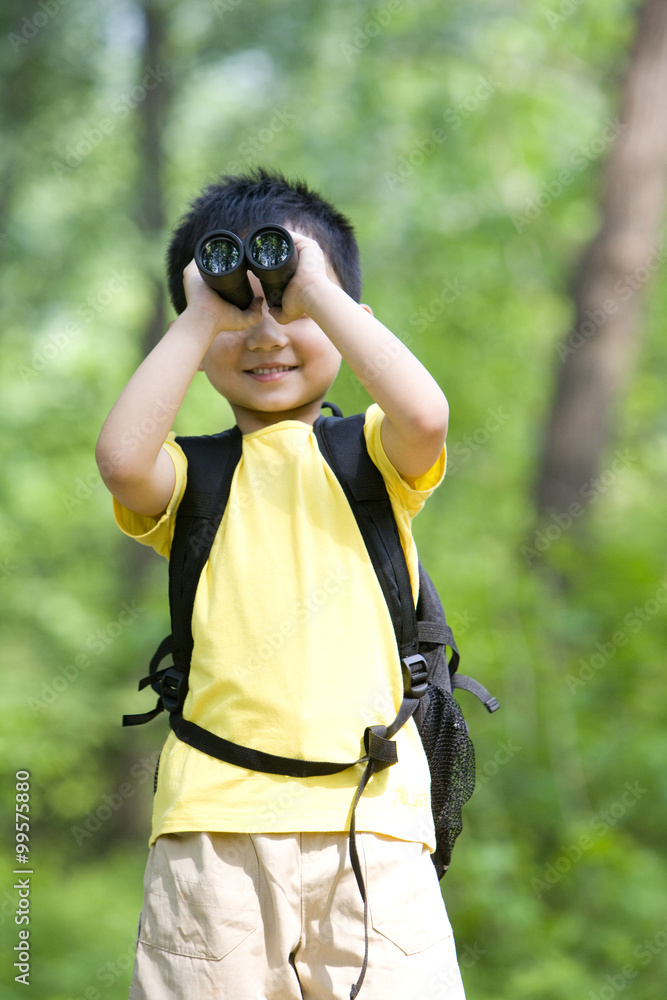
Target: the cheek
(333, 358)
(320, 349)
(218, 365)
(220, 353)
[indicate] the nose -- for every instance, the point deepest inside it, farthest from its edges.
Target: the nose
(267, 334)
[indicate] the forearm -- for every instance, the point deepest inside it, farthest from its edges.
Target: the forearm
(135, 430)
(413, 402)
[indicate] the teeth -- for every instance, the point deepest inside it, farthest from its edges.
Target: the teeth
(269, 371)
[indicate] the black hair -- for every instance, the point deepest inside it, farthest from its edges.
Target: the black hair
(241, 203)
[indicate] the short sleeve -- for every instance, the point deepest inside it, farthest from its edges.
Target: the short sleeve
(411, 494)
(157, 532)
(407, 496)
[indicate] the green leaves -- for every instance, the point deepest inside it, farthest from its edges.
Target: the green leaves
(467, 144)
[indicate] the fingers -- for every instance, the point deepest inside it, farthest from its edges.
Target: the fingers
(201, 297)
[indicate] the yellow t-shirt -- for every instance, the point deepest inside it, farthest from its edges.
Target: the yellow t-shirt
(294, 650)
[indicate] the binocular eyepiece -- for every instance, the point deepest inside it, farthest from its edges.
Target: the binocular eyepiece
(224, 259)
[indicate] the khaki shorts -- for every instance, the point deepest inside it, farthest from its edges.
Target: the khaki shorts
(280, 917)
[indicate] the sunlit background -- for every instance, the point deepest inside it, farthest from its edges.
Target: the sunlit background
(469, 142)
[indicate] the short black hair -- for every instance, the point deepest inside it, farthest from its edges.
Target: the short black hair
(241, 203)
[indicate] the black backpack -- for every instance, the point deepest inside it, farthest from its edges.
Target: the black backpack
(422, 633)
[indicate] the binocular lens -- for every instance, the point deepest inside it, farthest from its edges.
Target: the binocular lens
(269, 249)
(224, 260)
(220, 255)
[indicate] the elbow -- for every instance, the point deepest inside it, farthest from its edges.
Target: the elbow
(433, 421)
(443, 417)
(104, 458)
(113, 466)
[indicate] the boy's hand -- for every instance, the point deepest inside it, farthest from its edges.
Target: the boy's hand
(212, 308)
(311, 273)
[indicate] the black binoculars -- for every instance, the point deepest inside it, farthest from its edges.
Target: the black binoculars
(224, 259)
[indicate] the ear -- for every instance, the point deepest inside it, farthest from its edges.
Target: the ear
(366, 307)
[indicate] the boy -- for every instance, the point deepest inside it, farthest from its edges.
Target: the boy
(248, 891)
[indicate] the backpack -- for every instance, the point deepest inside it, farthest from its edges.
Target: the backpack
(422, 633)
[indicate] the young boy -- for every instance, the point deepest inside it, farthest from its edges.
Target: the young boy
(249, 893)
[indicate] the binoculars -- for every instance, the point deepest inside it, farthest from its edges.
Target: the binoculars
(224, 260)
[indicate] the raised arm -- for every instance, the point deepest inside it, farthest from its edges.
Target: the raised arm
(132, 462)
(416, 409)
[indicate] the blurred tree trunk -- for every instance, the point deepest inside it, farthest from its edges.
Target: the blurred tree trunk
(598, 354)
(154, 76)
(153, 111)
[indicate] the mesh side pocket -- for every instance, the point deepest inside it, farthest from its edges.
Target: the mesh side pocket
(451, 759)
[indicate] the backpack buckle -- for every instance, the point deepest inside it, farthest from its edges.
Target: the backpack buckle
(415, 676)
(173, 689)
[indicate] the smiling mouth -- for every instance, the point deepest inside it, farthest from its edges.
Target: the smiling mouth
(268, 373)
(270, 369)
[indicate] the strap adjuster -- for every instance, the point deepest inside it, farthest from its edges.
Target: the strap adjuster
(381, 751)
(173, 689)
(415, 676)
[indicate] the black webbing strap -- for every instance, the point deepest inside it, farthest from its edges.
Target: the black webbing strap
(254, 760)
(435, 632)
(153, 678)
(212, 460)
(343, 444)
(211, 464)
(356, 868)
(468, 684)
(380, 753)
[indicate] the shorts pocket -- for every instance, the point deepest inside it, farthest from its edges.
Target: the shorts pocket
(200, 894)
(405, 902)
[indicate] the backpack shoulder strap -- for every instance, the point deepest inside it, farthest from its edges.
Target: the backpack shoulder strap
(343, 445)
(212, 460)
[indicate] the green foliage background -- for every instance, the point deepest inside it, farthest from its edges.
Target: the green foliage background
(442, 131)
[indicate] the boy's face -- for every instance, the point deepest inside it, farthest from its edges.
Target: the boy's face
(272, 372)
